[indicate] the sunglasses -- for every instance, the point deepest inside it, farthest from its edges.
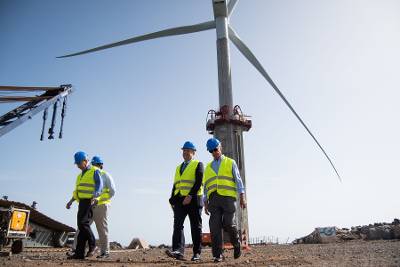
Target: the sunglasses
(211, 151)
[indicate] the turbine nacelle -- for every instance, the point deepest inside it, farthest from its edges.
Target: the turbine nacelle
(220, 8)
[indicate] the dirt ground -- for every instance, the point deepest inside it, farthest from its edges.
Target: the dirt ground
(352, 253)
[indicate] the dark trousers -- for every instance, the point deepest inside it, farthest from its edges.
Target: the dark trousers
(222, 212)
(178, 236)
(85, 213)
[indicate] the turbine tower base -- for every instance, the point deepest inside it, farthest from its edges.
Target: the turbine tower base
(229, 130)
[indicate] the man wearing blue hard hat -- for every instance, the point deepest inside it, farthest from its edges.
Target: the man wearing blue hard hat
(222, 185)
(187, 200)
(88, 188)
(100, 211)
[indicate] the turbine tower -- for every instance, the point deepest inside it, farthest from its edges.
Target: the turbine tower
(228, 123)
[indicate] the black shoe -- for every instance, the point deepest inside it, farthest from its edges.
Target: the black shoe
(75, 257)
(91, 252)
(196, 257)
(70, 253)
(218, 259)
(174, 254)
(103, 256)
(237, 252)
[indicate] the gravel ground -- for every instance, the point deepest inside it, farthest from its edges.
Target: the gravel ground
(352, 253)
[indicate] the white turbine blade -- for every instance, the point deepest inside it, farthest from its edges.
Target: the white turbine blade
(168, 32)
(253, 60)
(231, 6)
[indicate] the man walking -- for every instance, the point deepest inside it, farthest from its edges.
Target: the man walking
(186, 199)
(100, 211)
(87, 190)
(222, 184)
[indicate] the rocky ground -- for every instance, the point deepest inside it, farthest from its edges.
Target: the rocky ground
(351, 253)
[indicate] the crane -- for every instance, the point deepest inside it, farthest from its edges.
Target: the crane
(33, 104)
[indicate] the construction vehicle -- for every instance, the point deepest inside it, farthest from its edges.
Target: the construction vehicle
(14, 227)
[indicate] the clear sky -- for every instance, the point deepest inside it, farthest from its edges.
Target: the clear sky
(337, 62)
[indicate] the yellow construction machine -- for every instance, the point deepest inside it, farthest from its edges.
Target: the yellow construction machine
(14, 227)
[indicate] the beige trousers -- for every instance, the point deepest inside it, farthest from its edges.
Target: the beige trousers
(100, 218)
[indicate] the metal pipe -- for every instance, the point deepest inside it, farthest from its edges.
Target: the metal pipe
(44, 123)
(63, 113)
(53, 120)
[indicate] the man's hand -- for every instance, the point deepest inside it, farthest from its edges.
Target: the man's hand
(206, 207)
(243, 202)
(68, 206)
(94, 201)
(187, 200)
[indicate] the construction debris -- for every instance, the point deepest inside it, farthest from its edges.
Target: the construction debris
(376, 231)
(138, 243)
(115, 245)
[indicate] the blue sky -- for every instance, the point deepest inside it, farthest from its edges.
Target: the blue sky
(135, 105)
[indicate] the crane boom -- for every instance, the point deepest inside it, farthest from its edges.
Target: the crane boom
(32, 105)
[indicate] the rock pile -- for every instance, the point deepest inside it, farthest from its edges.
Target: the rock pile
(378, 231)
(374, 231)
(138, 243)
(115, 246)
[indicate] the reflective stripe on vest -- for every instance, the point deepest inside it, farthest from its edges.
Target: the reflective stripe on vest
(104, 197)
(85, 184)
(223, 183)
(184, 182)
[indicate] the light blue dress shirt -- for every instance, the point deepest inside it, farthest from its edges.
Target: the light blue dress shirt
(108, 182)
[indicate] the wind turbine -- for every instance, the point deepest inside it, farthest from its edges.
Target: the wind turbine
(227, 127)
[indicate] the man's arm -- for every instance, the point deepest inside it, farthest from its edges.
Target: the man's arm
(73, 198)
(239, 184)
(75, 195)
(238, 179)
(109, 183)
(172, 192)
(205, 200)
(198, 181)
(171, 199)
(205, 194)
(69, 203)
(98, 184)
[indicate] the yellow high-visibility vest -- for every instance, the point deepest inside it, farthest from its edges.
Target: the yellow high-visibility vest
(85, 184)
(223, 183)
(184, 182)
(104, 197)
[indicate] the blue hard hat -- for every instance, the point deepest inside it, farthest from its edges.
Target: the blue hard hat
(212, 144)
(189, 145)
(80, 156)
(97, 160)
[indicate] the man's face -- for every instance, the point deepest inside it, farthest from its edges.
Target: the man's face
(100, 166)
(217, 152)
(82, 165)
(187, 154)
